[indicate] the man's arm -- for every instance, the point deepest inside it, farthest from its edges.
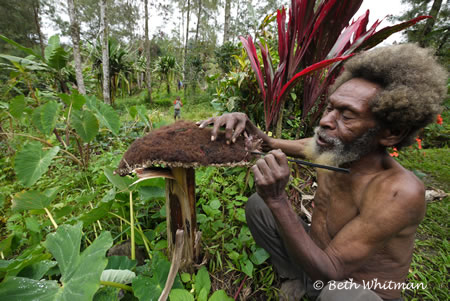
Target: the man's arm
(236, 123)
(387, 209)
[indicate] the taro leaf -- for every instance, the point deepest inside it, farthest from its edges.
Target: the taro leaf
(86, 125)
(146, 288)
(120, 182)
(27, 258)
(30, 200)
(25, 289)
(119, 276)
(107, 293)
(95, 214)
(132, 111)
(17, 106)
(202, 281)
(220, 295)
(32, 162)
(76, 100)
(120, 263)
(142, 113)
(32, 224)
(259, 256)
(147, 193)
(80, 273)
(45, 117)
(37, 271)
(5, 245)
(108, 117)
(180, 295)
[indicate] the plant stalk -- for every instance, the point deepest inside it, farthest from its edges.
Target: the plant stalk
(133, 247)
(51, 218)
(118, 285)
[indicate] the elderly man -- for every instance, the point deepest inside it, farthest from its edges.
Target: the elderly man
(360, 242)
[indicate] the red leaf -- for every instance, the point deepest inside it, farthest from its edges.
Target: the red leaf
(253, 57)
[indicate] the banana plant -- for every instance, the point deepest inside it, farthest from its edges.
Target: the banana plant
(318, 37)
(54, 62)
(166, 66)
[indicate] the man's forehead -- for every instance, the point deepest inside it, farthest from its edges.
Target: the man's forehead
(354, 91)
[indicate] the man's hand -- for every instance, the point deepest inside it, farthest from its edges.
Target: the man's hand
(271, 177)
(234, 123)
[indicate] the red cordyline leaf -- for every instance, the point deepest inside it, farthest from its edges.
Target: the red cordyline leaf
(253, 57)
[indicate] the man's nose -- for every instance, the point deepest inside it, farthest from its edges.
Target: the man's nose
(328, 120)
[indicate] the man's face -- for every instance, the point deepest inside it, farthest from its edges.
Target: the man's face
(347, 130)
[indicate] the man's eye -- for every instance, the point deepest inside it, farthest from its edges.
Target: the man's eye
(346, 117)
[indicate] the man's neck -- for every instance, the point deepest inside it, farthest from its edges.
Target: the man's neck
(370, 163)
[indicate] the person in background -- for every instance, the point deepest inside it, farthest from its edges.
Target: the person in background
(177, 104)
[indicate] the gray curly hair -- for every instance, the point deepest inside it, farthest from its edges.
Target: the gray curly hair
(413, 86)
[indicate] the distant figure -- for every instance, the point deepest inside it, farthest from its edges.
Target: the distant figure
(180, 85)
(177, 104)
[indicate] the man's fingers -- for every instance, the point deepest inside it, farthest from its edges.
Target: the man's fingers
(203, 123)
(257, 173)
(280, 157)
(240, 127)
(229, 130)
(217, 124)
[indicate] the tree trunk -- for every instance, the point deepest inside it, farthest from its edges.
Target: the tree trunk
(180, 208)
(75, 34)
(186, 44)
(37, 21)
(430, 22)
(198, 20)
(105, 51)
(148, 79)
(226, 26)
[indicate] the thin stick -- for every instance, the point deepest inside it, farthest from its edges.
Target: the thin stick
(344, 170)
(51, 218)
(133, 247)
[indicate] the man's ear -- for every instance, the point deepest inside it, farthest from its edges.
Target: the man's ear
(391, 137)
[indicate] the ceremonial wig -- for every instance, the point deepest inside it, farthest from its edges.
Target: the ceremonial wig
(413, 86)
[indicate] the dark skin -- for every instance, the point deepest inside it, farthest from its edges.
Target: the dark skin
(363, 223)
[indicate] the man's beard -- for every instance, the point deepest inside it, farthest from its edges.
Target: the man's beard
(337, 152)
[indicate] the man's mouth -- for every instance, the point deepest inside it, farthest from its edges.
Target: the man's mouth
(321, 141)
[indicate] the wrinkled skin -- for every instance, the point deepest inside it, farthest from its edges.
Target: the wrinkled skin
(363, 223)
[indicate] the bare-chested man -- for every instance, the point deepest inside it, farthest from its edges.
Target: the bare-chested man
(364, 222)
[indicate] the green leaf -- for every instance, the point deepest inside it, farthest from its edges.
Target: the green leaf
(95, 214)
(108, 117)
(55, 55)
(45, 117)
(142, 112)
(180, 295)
(75, 99)
(37, 271)
(202, 281)
(17, 45)
(17, 106)
(259, 256)
(120, 182)
(86, 125)
(119, 276)
(5, 245)
(30, 200)
(80, 273)
(247, 267)
(220, 295)
(185, 277)
(32, 162)
(27, 258)
(147, 193)
(120, 263)
(32, 224)
(107, 293)
(25, 289)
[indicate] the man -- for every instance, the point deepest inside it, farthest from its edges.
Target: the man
(364, 222)
(177, 104)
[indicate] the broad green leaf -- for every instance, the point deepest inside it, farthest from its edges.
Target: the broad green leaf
(132, 111)
(202, 281)
(142, 112)
(80, 273)
(108, 117)
(17, 106)
(259, 256)
(147, 193)
(180, 295)
(120, 263)
(119, 276)
(49, 116)
(45, 117)
(185, 277)
(120, 182)
(76, 100)
(107, 293)
(25, 289)
(86, 125)
(37, 270)
(32, 162)
(17, 45)
(5, 245)
(220, 295)
(30, 200)
(203, 295)
(55, 55)
(27, 258)
(95, 214)
(32, 224)
(247, 267)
